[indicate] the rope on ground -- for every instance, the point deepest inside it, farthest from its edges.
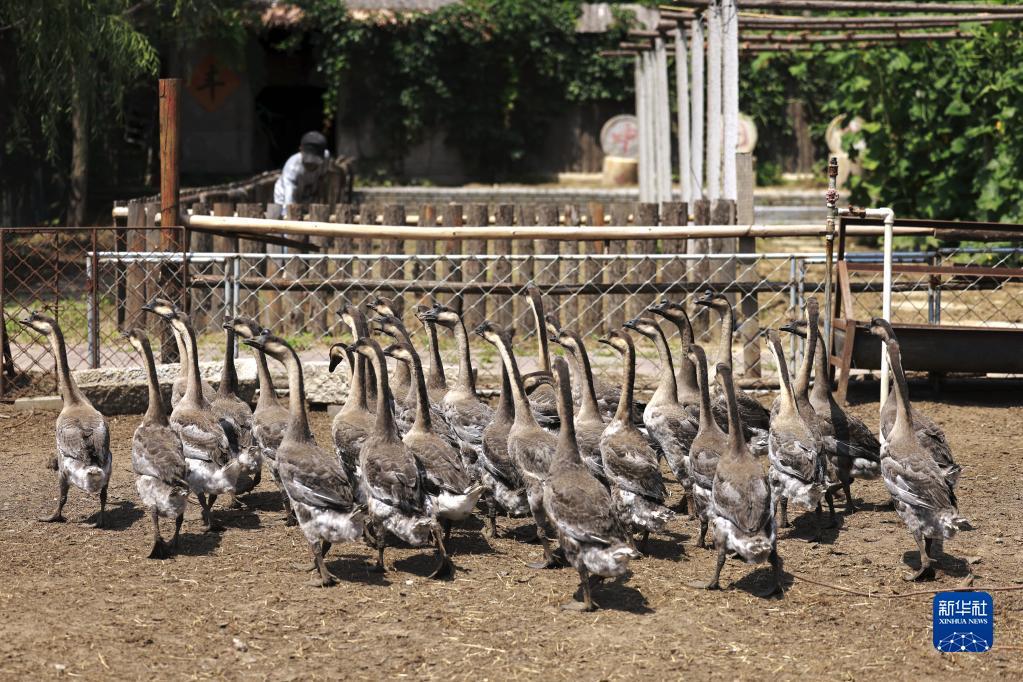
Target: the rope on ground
(903, 595)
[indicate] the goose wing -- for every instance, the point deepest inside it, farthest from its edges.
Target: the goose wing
(581, 508)
(915, 480)
(441, 464)
(315, 479)
(743, 496)
(853, 438)
(391, 475)
(632, 464)
(156, 451)
(496, 459)
(268, 428)
(793, 454)
(468, 419)
(202, 435)
(83, 435)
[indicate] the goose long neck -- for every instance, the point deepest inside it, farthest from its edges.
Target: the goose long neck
(787, 392)
(542, 349)
(465, 381)
(267, 395)
(904, 412)
(802, 384)
(69, 391)
(228, 375)
(182, 353)
(588, 408)
(385, 425)
(505, 402)
(725, 338)
(193, 387)
(155, 413)
(357, 390)
(735, 438)
(437, 377)
(686, 377)
(568, 447)
(667, 388)
(624, 412)
(523, 412)
(423, 421)
(706, 415)
(821, 379)
(298, 419)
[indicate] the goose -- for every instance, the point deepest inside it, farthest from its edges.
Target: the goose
(798, 467)
(506, 489)
(181, 381)
(448, 482)
(851, 448)
(392, 483)
(589, 425)
(401, 380)
(157, 457)
(436, 381)
(710, 442)
(590, 534)
(685, 379)
(322, 494)
(83, 439)
(742, 510)
(924, 496)
(212, 458)
(928, 433)
(630, 463)
(354, 421)
(270, 418)
(530, 446)
(466, 415)
(755, 417)
(543, 399)
(234, 411)
(670, 424)
(607, 395)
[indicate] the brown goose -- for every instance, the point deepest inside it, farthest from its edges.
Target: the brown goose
(211, 457)
(178, 387)
(157, 457)
(851, 448)
(447, 480)
(742, 511)
(235, 412)
(392, 483)
(83, 439)
(798, 466)
(270, 418)
(589, 426)
(707, 447)
(755, 417)
(466, 415)
(589, 531)
(322, 495)
(670, 424)
(543, 399)
(506, 490)
(401, 380)
(607, 395)
(530, 446)
(685, 379)
(924, 498)
(931, 436)
(436, 381)
(354, 422)
(630, 463)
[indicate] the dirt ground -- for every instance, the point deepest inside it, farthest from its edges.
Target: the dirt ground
(83, 602)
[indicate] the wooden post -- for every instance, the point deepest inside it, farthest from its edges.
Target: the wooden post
(152, 279)
(616, 269)
(644, 270)
(722, 212)
(525, 215)
(294, 271)
(274, 302)
(394, 214)
(699, 271)
(219, 299)
(249, 305)
(426, 268)
(474, 307)
(749, 309)
(135, 291)
(316, 304)
(571, 270)
(591, 313)
(451, 216)
(364, 249)
(170, 218)
(673, 272)
(502, 313)
(346, 215)
(547, 271)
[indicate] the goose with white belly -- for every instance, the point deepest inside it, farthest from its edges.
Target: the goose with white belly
(83, 438)
(354, 421)
(589, 426)
(157, 457)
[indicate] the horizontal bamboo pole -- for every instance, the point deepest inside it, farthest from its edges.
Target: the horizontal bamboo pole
(850, 37)
(908, 6)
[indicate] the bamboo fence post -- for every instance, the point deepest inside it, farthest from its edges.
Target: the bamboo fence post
(452, 217)
(502, 313)
(749, 309)
(547, 270)
(317, 312)
(362, 266)
(346, 215)
(571, 268)
(616, 268)
(674, 213)
(645, 269)
(425, 266)
(391, 269)
(151, 278)
(273, 301)
(249, 305)
(525, 216)
(135, 293)
(591, 314)
(474, 307)
(699, 271)
(294, 271)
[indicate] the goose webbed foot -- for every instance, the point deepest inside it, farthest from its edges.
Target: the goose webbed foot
(290, 521)
(926, 571)
(57, 517)
(701, 542)
(379, 566)
(850, 503)
(161, 550)
(714, 582)
(101, 522)
(783, 505)
(445, 569)
(775, 588)
(586, 583)
(321, 581)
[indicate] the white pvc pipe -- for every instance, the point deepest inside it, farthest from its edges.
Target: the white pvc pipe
(730, 90)
(662, 111)
(682, 105)
(696, 107)
(641, 130)
(714, 139)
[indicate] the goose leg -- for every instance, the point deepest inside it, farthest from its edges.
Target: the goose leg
(290, 518)
(702, 542)
(207, 515)
(714, 582)
(645, 542)
(324, 548)
(829, 497)
(446, 525)
(491, 517)
(540, 518)
(445, 569)
(177, 529)
(585, 587)
(783, 504)
(62, 488)
(850, 506)
(925, 572)
(102, 521)
(377, 535)
(775, 589)
(325, 579)
(159, 550)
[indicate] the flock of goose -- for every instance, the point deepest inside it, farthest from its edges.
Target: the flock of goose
(413, 455)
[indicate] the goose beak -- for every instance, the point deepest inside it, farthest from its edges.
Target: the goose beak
(632, 324)
(255, 342)
(789, 327)
(606, 340)
(660, 307)
(27, 322)
(148, 307)
(480, 330)
(126, 334)
(427, 315)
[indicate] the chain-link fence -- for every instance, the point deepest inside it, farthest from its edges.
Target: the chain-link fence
(96, 291)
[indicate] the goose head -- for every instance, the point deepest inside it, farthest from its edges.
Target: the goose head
(797, 327)
(570, 341)
(440, 314)
(696, 354)
(390, 325)
(645, 326)
(400, 351)
(491, 333)
(336, 354)
(274, 346)
(882, 328)
(381, 306)
(354, 320)
(366, 347)
(40, 323)
(619, 340)
(162, 307)
(553, 327)
(534, 380)
(669, 310)
(711, 299)
(245, 327)
(137, 338)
